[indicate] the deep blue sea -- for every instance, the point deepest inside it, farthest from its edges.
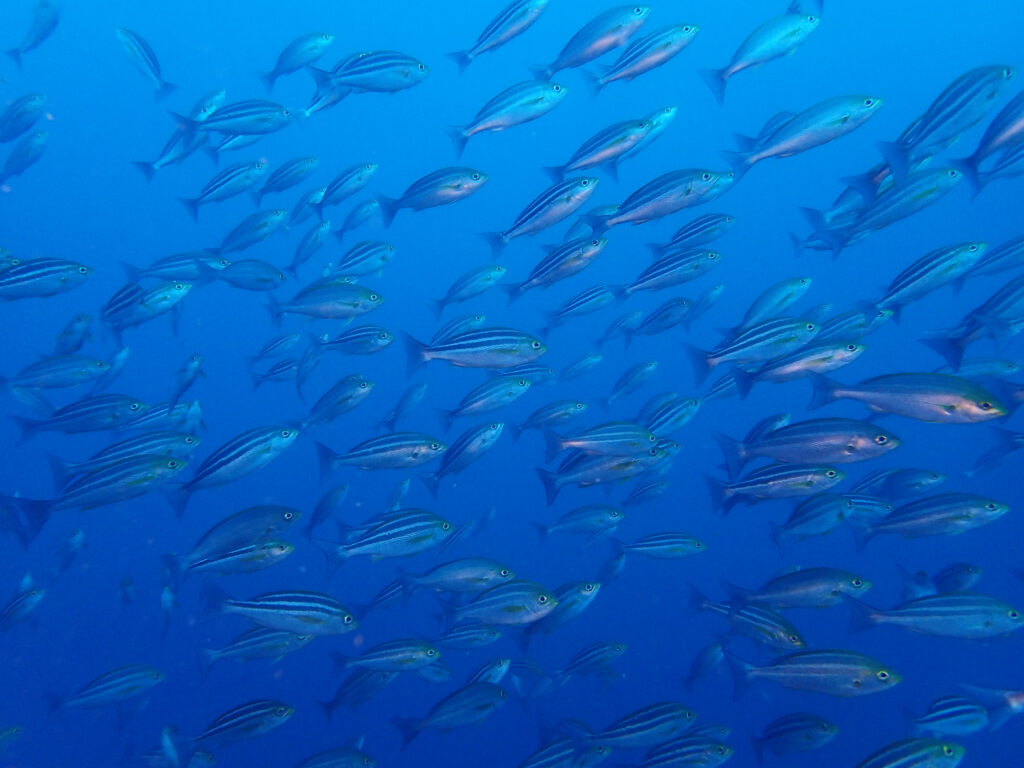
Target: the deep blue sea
(83, 201)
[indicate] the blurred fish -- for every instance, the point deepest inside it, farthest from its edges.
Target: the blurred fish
(253, 718)
(645, 54)
(601, 34)
(466, 706)
(517, 104)
(511, 21)
(300, 52)
(45, 16)
(916, 752)
(144, 58)
(798, 732)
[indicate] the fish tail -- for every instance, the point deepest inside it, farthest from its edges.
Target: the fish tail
(432, 481)
(462, 59)
(698, 600)
(321, 77)
(274, 308)
(511, 290)
(797, 243)
(409, 728)
(446, 417)
(741, 671)
(554, 172)
(597, 222)
(496, 240)
(862, 533)
(542, 531)
(553, 445)
(824, 390)
(576, 730)
(740, 162)
(165, 90)
(657, 250)
(836, 238)
(15, 55)
(389, 206)
(340, 660)
(593, 81)
(60, 470)
(437, 306)
(207, 658)
(541, 72)
(744, 382)
(457, 135)
(1000, 330)
(863, 184)
(191, 205)
(268, 79)
(327, 460)
(551, 484)
(415, 354)
(997, 702)
(328, 707)
(862, 615)
(213, 599)
(54, 704)
(896, 156)
(720, 500)
(28, 427)
(31, 514)
(147, 168)
(951, 348)
(699, 360)
(738, 596)
(716, 80)
(734, 452)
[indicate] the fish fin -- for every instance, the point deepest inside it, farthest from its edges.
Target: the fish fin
(54, 704)
(60, 470)
(496, 241)
(999, 329)
(738, 596)
(797, 243)
(734, 452)
(165, 90)
(612, 166)
(212, 600)
(744, 143)
(437, 306)
(699, 360)
(274, 308)
(462, 59)
(409, 728)
(996, 701)
(340, 660)
(207, 658)
(540, 72)
(415, 354)
(597, 222)
(431, 480)
(862, 615)
(28, 427)
(593, 82)
(512, 290)
(720, 501)
(32, 515)
(15, 55)
(321, 77)
(553, 445)
(446, 417)
(326, 460)
(457, 135)
(744, 382)
(697, 599)
(740, 673)
(897, 158)
(836, 238)
(716, 80)
(864, 185)
(824, 390)
(862, 533)
(950, 348)
(389, 206)
(554, 172)
(147, 168)
(515, 430)
(542, 530)
(191, 205)
(551, 484)
(268, 79)
(184, 123)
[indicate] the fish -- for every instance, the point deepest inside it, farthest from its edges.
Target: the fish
(674, 268)
(961, 615)
(950, 716)
(838, 673)
(255, 117)
(798, 732)
(915, 752)
(778, 37)
(300, 52)
(476, 348)
(945, 514)
(645, 54)
(442, 187)
(899, 483)
(517, 104)
(760, 624)
(467, 448)
(605, 149)
(601, 34)
(45, 17)
(489, 396)
(550, 207)
(399, 450)
(301, 612)
(667, 194)
(112, 687)
(286, 176)
(653, 724)
(407, 403)
(513, 20)
(465, 706)
(20, 115)
(258, 643)
(392, 656)
(41, 278)
(144, 58)
(701, 231)
(562, 261)
(25, 154)
(245, 721)
(776, 481)
(373, 71)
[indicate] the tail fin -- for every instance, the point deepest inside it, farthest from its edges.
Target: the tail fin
(864, 185)
(432, 480)
(327, 460)
(207, 658)
(515, 430)
(321, 77)
(192, 206)
(496, 241)
(734, 452)
(458, 137)
(61, 471)
(897, 158)
(740, 673)
(716, 80)
(541, 73)
(274, 307)
(147, 168)
(213, 599)
(836, 238)
(824, 391)
(269, 79)
(553, 445)
(328, 707)
(28, 427)
(699, 360)
(165, 90)
(744, 382)
(1000, 704)
(597, 222)
(862, 615)
(462, 59)
(389, 206)
(30, 516)
(862, 533)
(593, 81)
(446, 417)
(512, 290)
(437, 306)
(415, 354)
(698, 600)
(738, 596)
(950, 348)
(15, 54)
(542, 531)
(740, 162)
(408, 727)
(555, 172)
(551, 484)
(720, 500)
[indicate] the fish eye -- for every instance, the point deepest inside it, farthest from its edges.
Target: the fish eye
(881, 439)
(947, 750)
(580, 406)
(493, 426)
(280, 711)
(367, 761)
(434, 446)
(811, 19)
(445, 526)
(868, 102)
(373, 297)
(882, 675)
(285, 433)
(348, 618)
(857, 583)
(476, 176)
(953, 173)
(504, 572)
(189, 440)
(830, 473)
(712, 255)
(172, 464)
(638, 11)
(590, 588)
(851, 347)
(557, 89)
(652, 452)
(794, 639)
(83, 270)
(133, 407)
(522, 382)
(431, 652)
(535, 345)
(224, 263)
(1013, 615)
(362, 385)
(325, 37)
(504, 695)
(698, 544)
(542, 599)
(384, 335)
(585, 183)
(985, 406)
(706, 176)
(720, 750)
(420, 67)
(990, 506)
(973, 248)
(810, 326)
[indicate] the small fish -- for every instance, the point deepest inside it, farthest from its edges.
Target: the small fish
(41, 278)
(646, 54)
(20, 115)
(144, 58)
(258, 643)
(961, 615)
(358, 688)
(834, 672)
(45, 16)
(899, 483)
(550, 207)
(286, 176)
(951, 716)
(466, 449)
(916, 753)
(399, 450)
(310, 613)
(113, 687)
(802, 588)
(300, 52)
(653, 724)
(516, 105)
(798, 732)
(242, 118)
(603, 33)
(407, 403)
(665, 195)
(511, 21)
(776, 481)
(373, 71)
(467, 706)
(392, 656)
(515, 602)
(253, 718)
(468, 575)
(479, 348)
(759, 624)
(442, 187)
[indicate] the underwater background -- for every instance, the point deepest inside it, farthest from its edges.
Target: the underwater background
(83, 201)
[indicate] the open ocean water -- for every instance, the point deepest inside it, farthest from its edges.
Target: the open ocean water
(101, 566)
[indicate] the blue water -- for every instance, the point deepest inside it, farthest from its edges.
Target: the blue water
(84, 201)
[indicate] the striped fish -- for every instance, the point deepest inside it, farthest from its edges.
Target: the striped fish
(188, 416)
(477, 348)
(253, 229)
(548, 208)
(674, 268)
(573, 598)
(192, 266)
(916, 753)
(952, 715)
(834, 672)
(466, 449)
(112, 687)
(664, 546)
(243, 118)
(90, 414)
(587, 470)
(759, 624)
(407, 403)
(365, 258)
(701, 231)
(535, 373)
(300, 52)
(399, 534)
(647, 53)
(375, 72)
(472, 574)
(126, 479)
(57, 372)
(258, 643)
(776, 481)
(346, 184)
(517, 104)
(490, 396)
(392, 656)
(562, 261)
(309, 613)
(442, 187)
(469, 634)
(665, 414)
(653, 724)
(590, 659)
(590, 300)
(798, 732)
(605, 148)
(287, 175)
(144, 58)
(603, 33)
(511, 21)
(399, 450)
(929, 273)
(40, 278)
(250, 719)
(765, 341)
(667, 194)
(615, 438)
(513, 602)
(691, 750)
(466, 706)
(563, 753)
(956, 614)
(358, 688)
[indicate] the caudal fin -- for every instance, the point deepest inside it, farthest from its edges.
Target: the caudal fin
(862, 615)
(951, 348)
(165, 90)
(147, 168)
(496, 241)
(825, 391)
(415, 354)
(734, 452)
(896, 156)
(721, 501)
(699, 360)
(739, 161)
(551, 484)
(553, 445)
(740, 673)
(192, 206)
(408, 727)
(326, 460)
(555, 172)
(462, 59)
(458, 137)
(15, 54)
(716, 80)
(999, 703)
(389, 206)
